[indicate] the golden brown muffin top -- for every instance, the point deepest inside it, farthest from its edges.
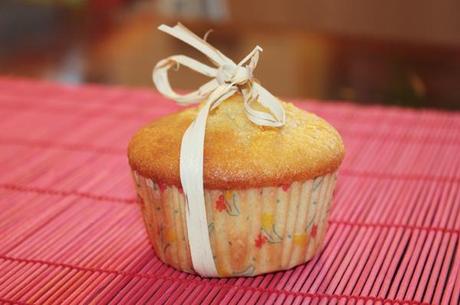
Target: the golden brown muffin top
(237, 153)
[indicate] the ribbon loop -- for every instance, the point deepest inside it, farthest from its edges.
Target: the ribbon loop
(228, 78)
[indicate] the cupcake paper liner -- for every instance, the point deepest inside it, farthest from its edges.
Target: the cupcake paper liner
(252, 231)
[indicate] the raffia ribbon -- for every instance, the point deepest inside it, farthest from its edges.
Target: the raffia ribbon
(228, 78)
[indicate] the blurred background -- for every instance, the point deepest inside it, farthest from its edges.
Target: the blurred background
(388, 52)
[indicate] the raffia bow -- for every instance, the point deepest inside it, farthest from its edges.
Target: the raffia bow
(228, 78)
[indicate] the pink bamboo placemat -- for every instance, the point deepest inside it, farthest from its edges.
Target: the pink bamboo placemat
(70, 231)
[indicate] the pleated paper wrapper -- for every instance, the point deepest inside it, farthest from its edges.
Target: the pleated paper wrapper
(252, 231)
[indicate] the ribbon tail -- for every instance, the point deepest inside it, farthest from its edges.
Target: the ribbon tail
(191, 173)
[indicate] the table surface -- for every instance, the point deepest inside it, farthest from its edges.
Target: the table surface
(70, 231)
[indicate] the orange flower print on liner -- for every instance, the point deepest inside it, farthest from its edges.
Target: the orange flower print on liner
(300, 239)
(170, 235)
(261, 240)
(229, 203)
(220, 204)
(162, 186)
(285, 187)
(140, 200)
(314, 231)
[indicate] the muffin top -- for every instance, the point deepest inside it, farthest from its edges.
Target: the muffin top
(238, 153)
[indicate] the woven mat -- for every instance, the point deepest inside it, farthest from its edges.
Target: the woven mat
(70, 231)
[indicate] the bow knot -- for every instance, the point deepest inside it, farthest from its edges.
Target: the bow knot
(227, 79)
(229, 74)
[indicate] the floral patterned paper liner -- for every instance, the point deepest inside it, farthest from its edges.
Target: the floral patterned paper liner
(252, 231)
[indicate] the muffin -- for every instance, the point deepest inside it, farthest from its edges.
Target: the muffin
(267, 190)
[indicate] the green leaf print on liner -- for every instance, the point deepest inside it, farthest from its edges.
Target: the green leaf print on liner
(310, 223)
(276, 233)
(269, 229)
(211, 227)
(272, 237)
(231, 203)
(247, 272)
(317, 182)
